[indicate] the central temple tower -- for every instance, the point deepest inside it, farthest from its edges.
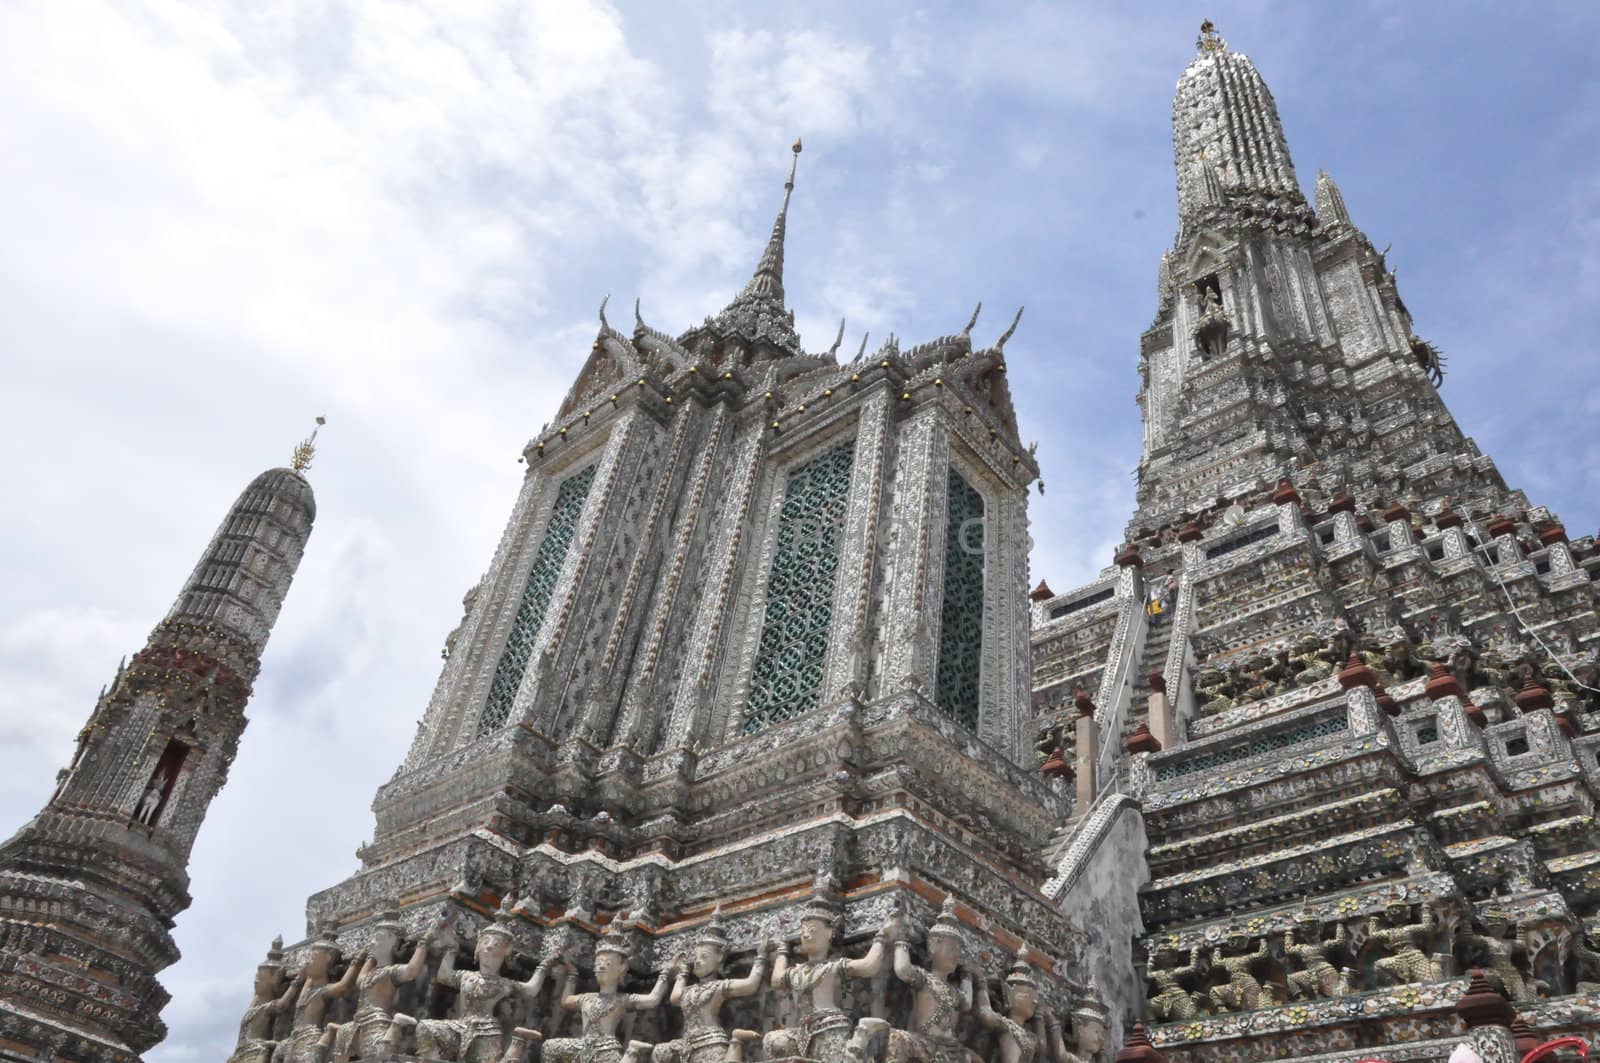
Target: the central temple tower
(754, 642)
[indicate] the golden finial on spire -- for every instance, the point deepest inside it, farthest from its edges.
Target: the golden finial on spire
(306, 449)
(1209, 41)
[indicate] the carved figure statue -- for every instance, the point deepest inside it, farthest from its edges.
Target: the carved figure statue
(379, 983)
(1171, 997)
(255, 1029)
(602, 1011)
(1587, 961)
(1317, 977)
(939, 1002)
(474, 1035)
(822, 1030)
(1091, 1023)
(1018, 1043)
(311, 1005)
(705, 1039)
(1242, 992)
(1498, 954)
(150, 802)
(1407, 961)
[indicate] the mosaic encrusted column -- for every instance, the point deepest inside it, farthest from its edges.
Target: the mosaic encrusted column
(849, 649)
(578, 595)
(643, 699)
(915, 566)
(691, 701)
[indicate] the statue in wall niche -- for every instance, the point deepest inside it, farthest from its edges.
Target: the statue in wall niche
(1500, 951)
(306, 1043)
(1020, 1036)
(1172, 996)
(938, 1002)
(602, 1011)
(705, 1039)
(1586, 961)
(255, 1029)
(1317, 976)
(1242, 991)
(1406, 941)
(379, 984)
(822, 1030)
(475, 1035)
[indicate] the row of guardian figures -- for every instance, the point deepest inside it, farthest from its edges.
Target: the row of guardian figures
(426, 1007)
(1243, 972)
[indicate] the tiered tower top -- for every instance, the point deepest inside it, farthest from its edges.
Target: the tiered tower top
(1226, 136)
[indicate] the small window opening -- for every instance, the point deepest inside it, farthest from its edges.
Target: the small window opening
(1436, 552)
(1515, 747)
(1426, 734)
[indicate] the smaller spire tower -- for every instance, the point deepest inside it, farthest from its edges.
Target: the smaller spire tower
(90, 886)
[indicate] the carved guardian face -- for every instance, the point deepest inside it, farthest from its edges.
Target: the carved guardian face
(318, 962)
(1091, 1037)
(1024, 1002)
(707, 960)
(944, 952)
(608, 968)
(816, 937)
(384, 941)
(492, 951)
(267, 978)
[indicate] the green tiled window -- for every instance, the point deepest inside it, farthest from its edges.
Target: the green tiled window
(558, 535)
(786, 678)
(961, 617)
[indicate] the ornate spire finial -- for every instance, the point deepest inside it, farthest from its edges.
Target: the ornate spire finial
(1209, 40)
(768, 279)
(307, 449)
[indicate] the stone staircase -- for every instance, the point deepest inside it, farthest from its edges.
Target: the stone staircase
(1157, 640)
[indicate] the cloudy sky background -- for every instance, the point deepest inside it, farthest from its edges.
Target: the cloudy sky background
(218, 221)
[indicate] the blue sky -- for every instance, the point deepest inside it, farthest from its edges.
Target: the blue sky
(222, 220)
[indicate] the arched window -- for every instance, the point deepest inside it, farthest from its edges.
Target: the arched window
(558, 535)
(961, 617)
(786, 679)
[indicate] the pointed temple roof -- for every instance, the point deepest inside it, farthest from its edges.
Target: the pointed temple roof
(1225, 129)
